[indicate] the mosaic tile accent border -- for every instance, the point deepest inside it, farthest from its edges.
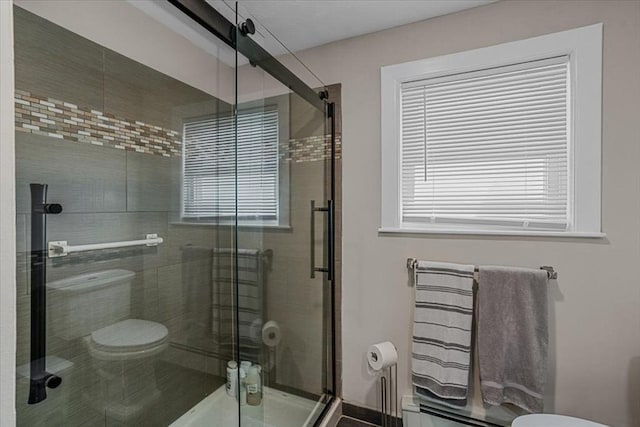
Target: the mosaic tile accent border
(63, 120)
(311, 149)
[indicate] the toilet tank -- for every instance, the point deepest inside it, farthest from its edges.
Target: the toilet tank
(79, 305)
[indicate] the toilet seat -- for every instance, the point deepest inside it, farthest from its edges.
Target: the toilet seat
(128, 339)
(552, 420)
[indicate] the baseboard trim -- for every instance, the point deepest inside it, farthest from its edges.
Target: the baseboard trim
(367, 415)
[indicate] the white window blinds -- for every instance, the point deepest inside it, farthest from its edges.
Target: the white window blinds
(209, 172)
(488, 147)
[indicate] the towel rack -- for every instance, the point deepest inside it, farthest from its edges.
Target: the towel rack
(267, 254)
(551, 272)
(62, 248)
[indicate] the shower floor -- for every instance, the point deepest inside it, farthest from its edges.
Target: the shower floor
(278, 409)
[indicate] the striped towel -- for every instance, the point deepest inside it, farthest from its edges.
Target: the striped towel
(442, 329)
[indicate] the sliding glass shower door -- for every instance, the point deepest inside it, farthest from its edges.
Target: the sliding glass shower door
(285, 209)
(175, 220)
(117, 300)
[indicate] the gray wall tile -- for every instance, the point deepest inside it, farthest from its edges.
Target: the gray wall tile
(196, 235)
(81, 177)
(55, 62)
(137, 92)
(21, 233)
(305, 120)
(153, 183)
(144, 295)
(170, 299)
(22, 273)
(22, 258)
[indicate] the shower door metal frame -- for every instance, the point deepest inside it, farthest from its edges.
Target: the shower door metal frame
(214, 22)
(217, 24)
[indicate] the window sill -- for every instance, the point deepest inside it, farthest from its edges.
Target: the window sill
(241, 226)
(515, 233)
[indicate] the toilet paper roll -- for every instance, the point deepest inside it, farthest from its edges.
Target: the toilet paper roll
(271, 333)
(382, 355)
(255, 331)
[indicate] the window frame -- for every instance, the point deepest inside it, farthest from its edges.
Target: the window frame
(281, 105)
(584, 48)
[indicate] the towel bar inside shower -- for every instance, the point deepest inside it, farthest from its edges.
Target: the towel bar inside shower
(62, 248)
(551, 272)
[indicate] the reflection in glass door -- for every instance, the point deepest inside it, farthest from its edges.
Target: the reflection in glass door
(296, 308)
(175, 218)
(297, 235)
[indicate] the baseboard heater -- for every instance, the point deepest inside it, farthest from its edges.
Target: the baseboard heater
(419, 413)
(460, 419)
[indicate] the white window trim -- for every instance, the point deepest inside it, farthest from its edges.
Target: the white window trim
(584, 47)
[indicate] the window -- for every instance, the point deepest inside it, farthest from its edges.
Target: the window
(488, 147)
(209, 172)
(499, 140)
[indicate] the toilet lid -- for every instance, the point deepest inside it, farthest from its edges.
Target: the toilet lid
(552, 420)
(130, 335)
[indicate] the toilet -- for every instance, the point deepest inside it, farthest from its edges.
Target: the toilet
(552, 420)
(128, 340)
(95, 308)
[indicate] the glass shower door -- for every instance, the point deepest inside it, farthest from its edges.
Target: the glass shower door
(175, 221)
(121, 319)
(285, 211)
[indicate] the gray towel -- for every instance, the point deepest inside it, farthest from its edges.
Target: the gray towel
(442, 329)
(512, 336)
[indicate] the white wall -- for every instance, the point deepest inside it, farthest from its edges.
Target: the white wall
(7, 220)
(596, 303)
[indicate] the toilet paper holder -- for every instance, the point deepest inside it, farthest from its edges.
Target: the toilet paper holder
(383, 359)
(389, 408)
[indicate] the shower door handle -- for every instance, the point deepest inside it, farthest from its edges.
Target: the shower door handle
(330, 211)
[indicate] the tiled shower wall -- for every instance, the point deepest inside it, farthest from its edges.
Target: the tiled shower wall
(40, 115)
(50, 117)
(104, 133)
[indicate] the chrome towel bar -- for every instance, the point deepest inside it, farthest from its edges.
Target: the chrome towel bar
(62, 248)
(551, 273)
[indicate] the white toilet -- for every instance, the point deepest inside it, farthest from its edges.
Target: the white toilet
(95, 308)
(552, 420)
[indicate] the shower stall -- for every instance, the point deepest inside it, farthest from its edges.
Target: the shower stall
(178, 218)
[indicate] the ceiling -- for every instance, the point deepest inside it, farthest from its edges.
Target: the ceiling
(294, 25)
(302, 24)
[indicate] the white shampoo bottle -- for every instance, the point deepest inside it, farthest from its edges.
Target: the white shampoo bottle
(232, 378)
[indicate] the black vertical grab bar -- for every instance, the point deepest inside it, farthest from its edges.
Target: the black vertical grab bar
(40, 379)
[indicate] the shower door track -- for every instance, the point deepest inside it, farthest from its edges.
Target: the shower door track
(214, 22)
